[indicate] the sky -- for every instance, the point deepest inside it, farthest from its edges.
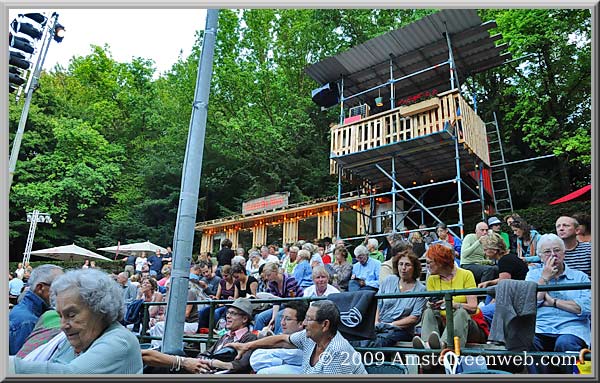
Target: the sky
(157, 34)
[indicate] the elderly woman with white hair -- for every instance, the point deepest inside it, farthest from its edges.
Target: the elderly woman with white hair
(321, 286)
(373, 247)
(90, 304)
(563, 316)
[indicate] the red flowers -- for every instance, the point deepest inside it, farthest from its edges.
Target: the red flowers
(417, 97)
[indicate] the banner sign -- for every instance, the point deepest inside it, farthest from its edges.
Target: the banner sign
(269, 202)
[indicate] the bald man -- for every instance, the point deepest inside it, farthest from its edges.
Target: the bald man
(472, 256)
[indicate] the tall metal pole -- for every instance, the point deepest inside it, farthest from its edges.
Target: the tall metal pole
(14, 154)
(188, 199)
(339, 203)
(459, 188)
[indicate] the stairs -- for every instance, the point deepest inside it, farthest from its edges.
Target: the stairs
(499, 176)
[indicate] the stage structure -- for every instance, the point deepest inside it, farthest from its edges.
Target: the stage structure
(407, 139)
(406, 132)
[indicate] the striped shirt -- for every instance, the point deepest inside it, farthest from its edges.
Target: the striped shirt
(580, 258)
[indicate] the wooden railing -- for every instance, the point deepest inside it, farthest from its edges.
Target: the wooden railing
(413, 121)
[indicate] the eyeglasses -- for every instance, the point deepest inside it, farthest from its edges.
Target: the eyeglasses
(556, 250)
(307, 319)
(233, 313)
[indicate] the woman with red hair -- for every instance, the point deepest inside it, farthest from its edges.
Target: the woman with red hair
(469, 324)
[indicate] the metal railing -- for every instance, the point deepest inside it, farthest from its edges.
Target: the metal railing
(446, 294)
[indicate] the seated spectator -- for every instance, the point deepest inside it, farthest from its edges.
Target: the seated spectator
(238, 260)
(340, 269)
(34, 302)
(210, 281)
(325, 257)
(226, 290)
(395, 319)
(527, 238)
(418, 245)
(148, 291)
(584, 229)
(321, 286)
(303, 271)
(496, 225)
(320, 337)
(373, 247)
(15, 287)
(444, 235)
(509, 267)
(281, 285)
(283, 360)
(512, 238)
(239, 318)
(130, 291)
(246, 286)
(469, 324)
(563, 317)
(400, 248)
(190, 324)
(472, 256)
(315, 257)
(365, 272)
(254, 263)
(90, 306)
(578, 255)
(290, 262)
(46, 328)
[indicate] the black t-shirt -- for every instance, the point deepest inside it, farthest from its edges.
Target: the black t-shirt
(510, 263)
(247, 291)
(224, 256)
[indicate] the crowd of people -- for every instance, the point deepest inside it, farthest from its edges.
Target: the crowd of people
(91, 305)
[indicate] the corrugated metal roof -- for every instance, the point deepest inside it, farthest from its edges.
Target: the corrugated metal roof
(417, 46)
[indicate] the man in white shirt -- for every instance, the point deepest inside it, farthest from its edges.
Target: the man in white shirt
(283, 360)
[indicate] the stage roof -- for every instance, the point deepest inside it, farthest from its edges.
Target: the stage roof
(417, 46)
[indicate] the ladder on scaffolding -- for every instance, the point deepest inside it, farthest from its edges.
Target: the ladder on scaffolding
(499, 175)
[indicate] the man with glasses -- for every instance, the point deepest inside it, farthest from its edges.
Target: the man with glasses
(238, 320)
(324, 349)
(283, 360)
(35, 302)
(563, 316)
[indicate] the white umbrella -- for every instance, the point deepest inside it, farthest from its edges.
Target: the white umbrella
(138, 247)
(68, 253)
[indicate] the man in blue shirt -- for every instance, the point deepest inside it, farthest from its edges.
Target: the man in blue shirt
(365, 272)
(563, 317)
(35, 302)
(155, 264)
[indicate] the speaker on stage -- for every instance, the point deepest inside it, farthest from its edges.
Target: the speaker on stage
(327, 95)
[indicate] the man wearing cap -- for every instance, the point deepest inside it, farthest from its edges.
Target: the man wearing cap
(495, 224)
(324, 349)
(238, 320)
(472, 256)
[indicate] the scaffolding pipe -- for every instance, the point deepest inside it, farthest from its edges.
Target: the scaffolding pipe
(342, 114)
(459, 188)
(394, 196)
(339, 201)
(410, 195)
(481, 195)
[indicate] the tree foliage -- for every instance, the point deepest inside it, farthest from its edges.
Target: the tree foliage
(105, 141)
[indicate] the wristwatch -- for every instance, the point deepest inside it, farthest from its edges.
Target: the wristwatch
(554, 304)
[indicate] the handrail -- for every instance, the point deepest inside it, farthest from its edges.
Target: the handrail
(447, 294)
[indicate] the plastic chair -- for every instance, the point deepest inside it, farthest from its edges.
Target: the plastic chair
(386, 368)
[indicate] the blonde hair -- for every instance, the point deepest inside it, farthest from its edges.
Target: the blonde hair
(494, 241)
(304, 254)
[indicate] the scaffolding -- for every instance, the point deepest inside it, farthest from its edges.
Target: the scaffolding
(403, 154)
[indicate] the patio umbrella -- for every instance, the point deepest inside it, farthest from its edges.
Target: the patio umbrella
(138, 247)
(68, 253)
(577, 194)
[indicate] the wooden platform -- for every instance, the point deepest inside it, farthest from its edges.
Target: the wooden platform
(422, 143)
